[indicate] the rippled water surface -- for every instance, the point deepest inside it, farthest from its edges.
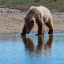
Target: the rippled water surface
(47, 49)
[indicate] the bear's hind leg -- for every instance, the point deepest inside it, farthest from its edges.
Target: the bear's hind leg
(49, 24)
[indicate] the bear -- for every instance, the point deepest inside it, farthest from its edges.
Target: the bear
(40, 15)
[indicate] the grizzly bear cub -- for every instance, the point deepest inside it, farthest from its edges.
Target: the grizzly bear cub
(41, 15)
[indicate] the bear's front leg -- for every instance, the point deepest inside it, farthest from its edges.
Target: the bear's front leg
(23, 31)
(40, 28)
(50, 31)
(40, 31)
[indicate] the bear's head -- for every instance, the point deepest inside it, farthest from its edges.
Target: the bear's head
(29, 23)
(30, 19)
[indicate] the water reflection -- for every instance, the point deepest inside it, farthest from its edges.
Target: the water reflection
(41, 46)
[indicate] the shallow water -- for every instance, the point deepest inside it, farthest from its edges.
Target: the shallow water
(47, 49)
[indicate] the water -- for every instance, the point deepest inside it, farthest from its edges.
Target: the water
(47, 49)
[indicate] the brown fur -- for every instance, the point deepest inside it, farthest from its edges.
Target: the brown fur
(41, 15)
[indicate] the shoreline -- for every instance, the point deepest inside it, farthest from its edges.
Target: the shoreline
(11, 21)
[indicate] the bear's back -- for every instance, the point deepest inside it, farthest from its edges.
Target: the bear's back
(43, 10)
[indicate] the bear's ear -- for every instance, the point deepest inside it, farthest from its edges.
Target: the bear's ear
(32, 20)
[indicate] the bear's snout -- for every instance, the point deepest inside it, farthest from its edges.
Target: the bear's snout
(28, 30)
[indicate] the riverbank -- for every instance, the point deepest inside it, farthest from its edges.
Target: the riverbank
(11, 21)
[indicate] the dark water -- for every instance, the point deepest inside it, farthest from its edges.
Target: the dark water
(47, 49)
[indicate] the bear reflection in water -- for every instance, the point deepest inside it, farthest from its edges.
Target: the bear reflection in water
(41, 46)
